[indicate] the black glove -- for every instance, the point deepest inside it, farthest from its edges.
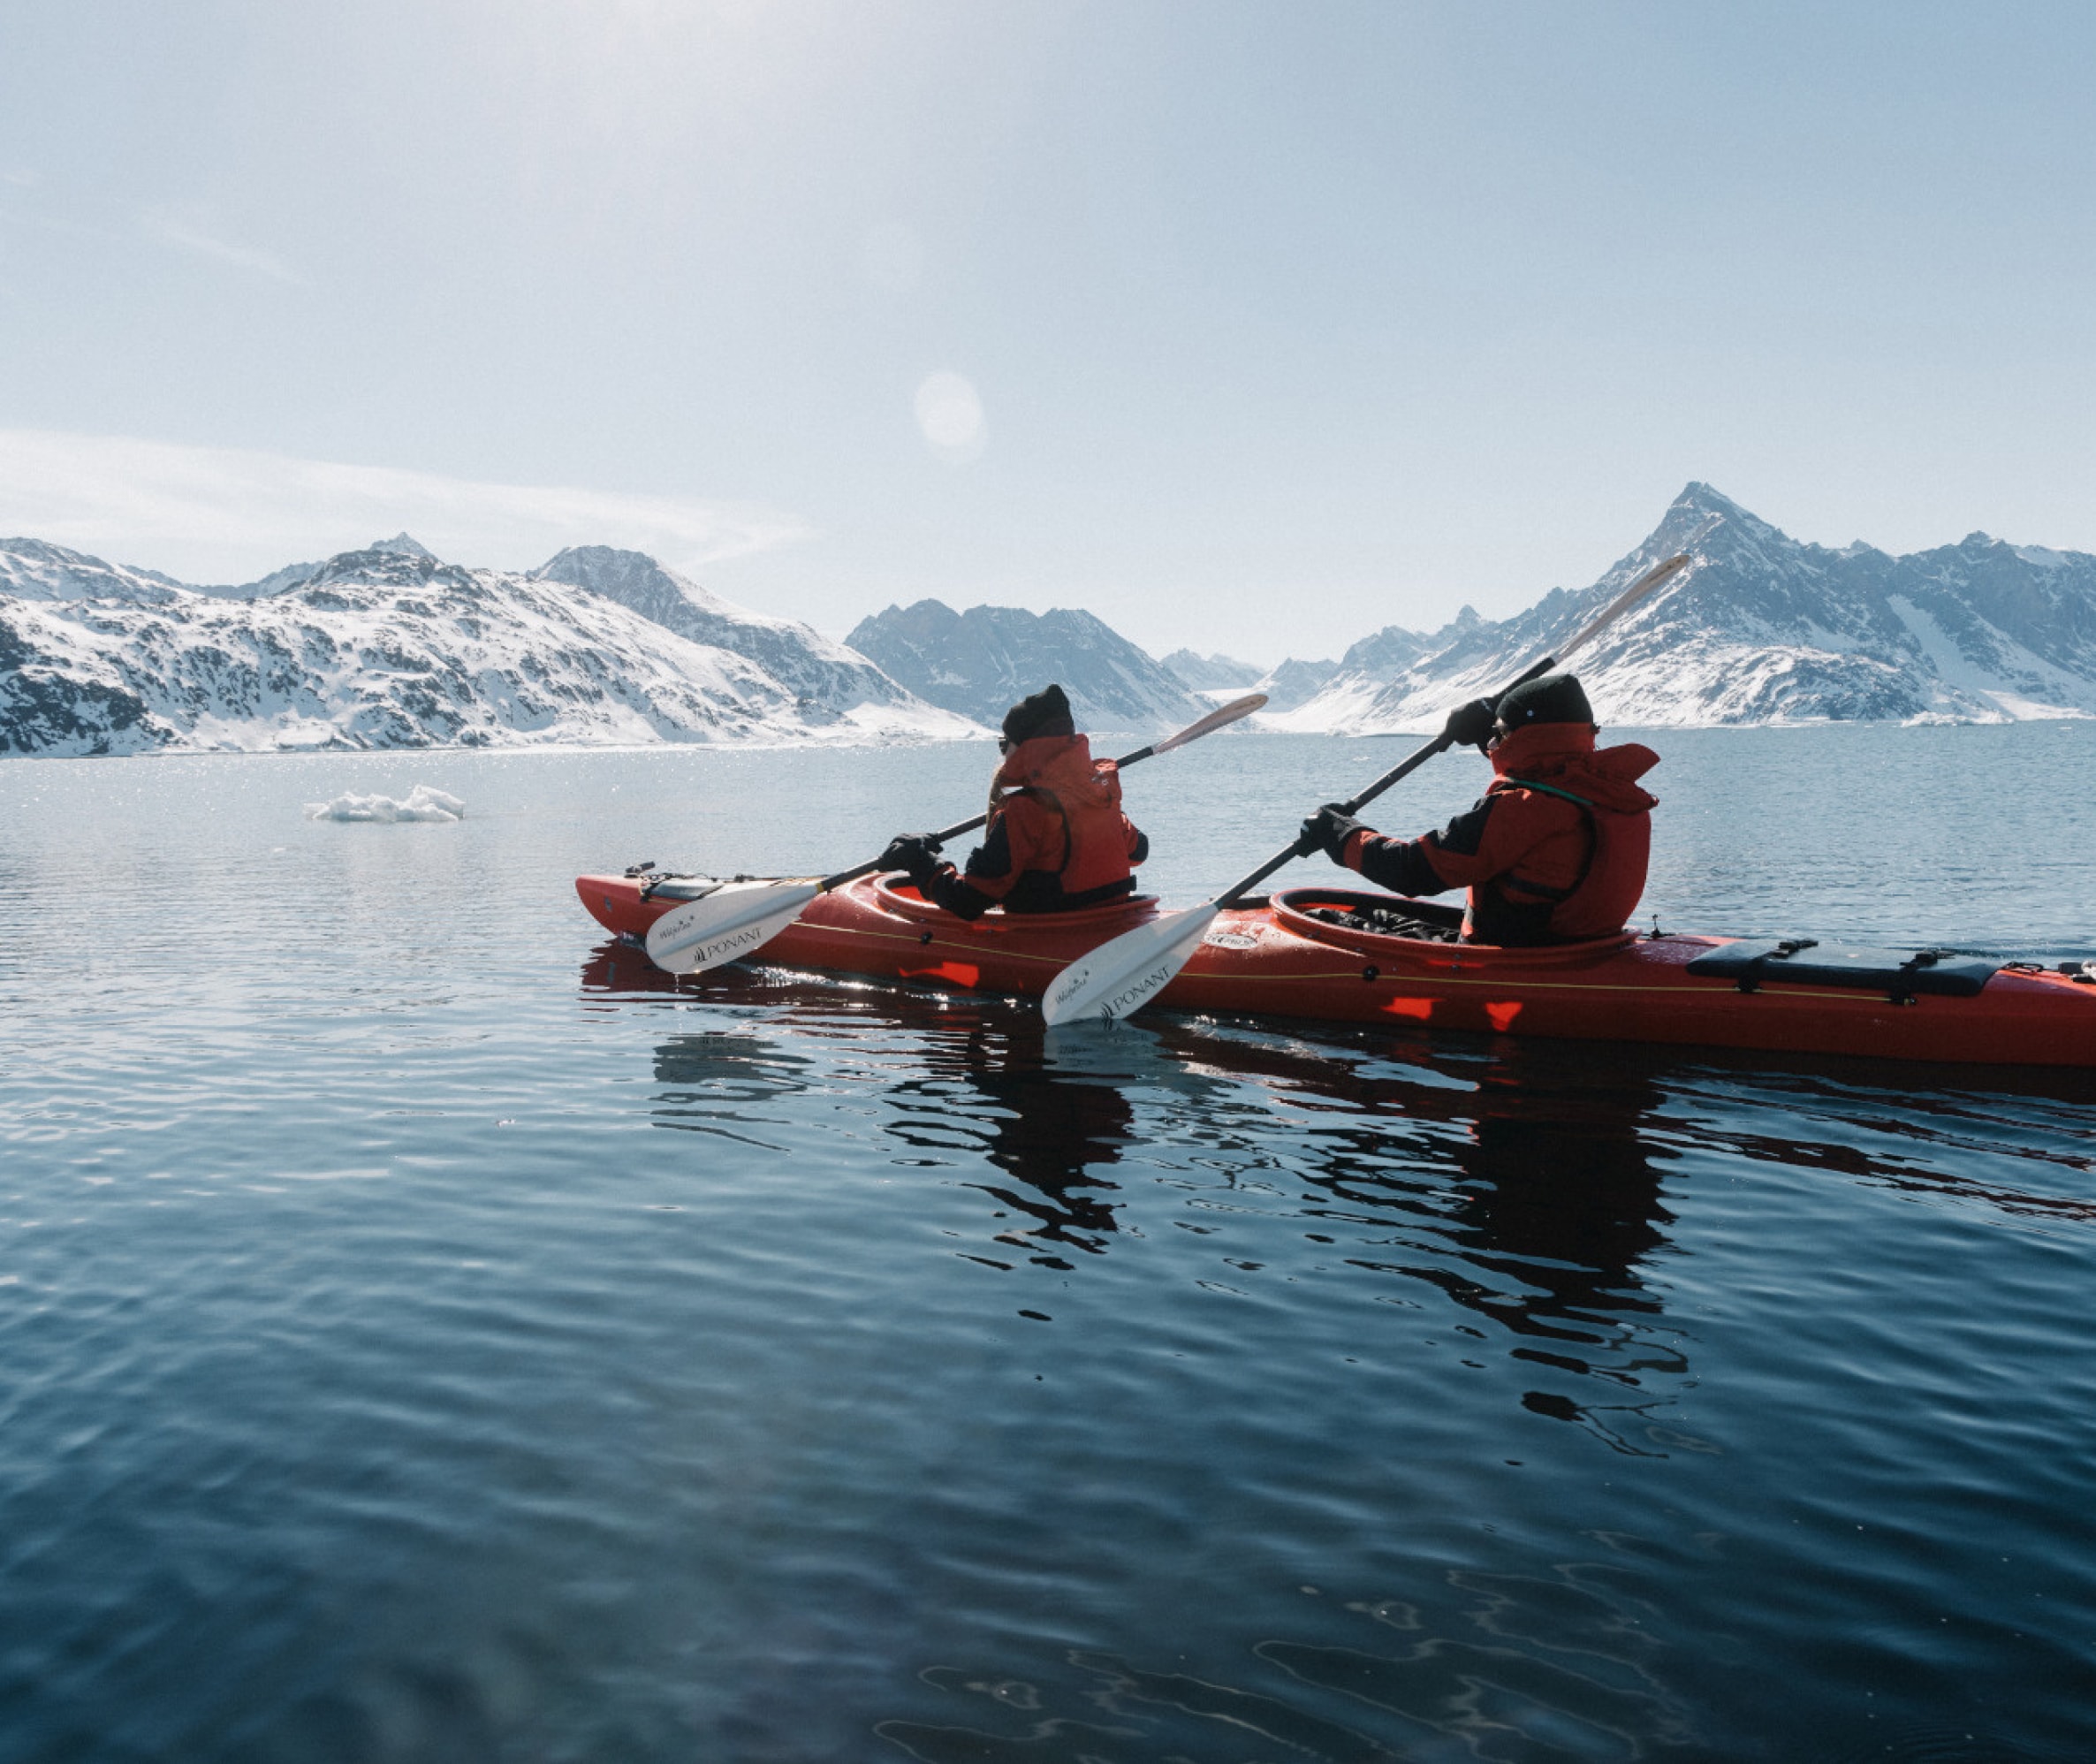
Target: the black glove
(916, 855)
(1327, 831)
(1470, 725)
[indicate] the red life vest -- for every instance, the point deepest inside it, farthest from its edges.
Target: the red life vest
(1057, 811)
(1554, 850)
(1547, 774)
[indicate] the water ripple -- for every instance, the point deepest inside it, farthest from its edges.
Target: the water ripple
(429, 1336)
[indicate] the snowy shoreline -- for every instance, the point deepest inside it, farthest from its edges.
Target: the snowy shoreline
(1613, 730)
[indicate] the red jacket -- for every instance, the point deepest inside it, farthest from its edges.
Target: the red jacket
(1057, 839)
(1554, 850)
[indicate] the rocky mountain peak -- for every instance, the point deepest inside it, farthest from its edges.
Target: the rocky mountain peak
(1703, 499)
(980, 662)
(632, 579)
(1211, 674)
(404, 546)
(34, 569)
(381, 565)
(821, 670)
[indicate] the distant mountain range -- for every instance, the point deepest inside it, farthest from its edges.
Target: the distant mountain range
(1213, 673)
(978, 663)
(1218, 678)
(391, 647)
(1761, 629)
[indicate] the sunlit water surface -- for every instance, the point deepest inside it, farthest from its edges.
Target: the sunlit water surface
(425, 1334)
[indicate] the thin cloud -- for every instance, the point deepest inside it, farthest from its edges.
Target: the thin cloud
(229, 514)
(69, 229)
(180, 228)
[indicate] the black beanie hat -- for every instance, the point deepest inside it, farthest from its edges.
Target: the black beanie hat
(1549, 698)
(1046, 713)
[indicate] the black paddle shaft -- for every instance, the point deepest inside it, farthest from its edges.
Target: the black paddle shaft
(969, 827)
(1354, 806)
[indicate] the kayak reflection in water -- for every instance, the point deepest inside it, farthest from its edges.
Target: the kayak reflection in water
(1057, 839)
(1555, 849)
(1050, 1131)
(1532, 1196)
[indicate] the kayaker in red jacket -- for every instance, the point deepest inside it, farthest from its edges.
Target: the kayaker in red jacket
(1555, 850)
(1057, 839)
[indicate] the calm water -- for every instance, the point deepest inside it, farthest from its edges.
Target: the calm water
(427, 1334)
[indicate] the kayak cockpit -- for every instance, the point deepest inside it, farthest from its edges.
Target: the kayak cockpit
(898, 894)
(1427, 929)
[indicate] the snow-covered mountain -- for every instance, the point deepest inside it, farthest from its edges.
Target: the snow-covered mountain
(391, 648)
(1294, 682)
(821, 672)
(32, 570)
(1219, 679)
(980, 662)
(1344, 688)
(1210, 673)
(1763, 629)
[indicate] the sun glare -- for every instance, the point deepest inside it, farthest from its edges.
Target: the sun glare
(950, 413)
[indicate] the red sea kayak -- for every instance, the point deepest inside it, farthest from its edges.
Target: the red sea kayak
(1297, 955)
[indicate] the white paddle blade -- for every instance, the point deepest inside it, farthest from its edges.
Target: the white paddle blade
(726, 925)
(1220, 719)
(1123, 976)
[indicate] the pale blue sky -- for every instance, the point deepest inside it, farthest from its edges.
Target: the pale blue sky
(1284, 321)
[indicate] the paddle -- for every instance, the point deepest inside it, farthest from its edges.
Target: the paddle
(739, 916)
(1124, 974)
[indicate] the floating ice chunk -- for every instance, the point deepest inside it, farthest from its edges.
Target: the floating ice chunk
(420, 803)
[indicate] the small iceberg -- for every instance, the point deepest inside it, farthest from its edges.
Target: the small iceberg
(420, 803)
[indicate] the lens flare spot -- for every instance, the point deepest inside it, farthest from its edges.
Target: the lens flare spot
(950, 413)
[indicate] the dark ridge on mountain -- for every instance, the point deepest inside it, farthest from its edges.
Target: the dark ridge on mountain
(293, 575)
(1294, 682)
(290, 576)
(821, 672)
(1210, 673)
(980, 662)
